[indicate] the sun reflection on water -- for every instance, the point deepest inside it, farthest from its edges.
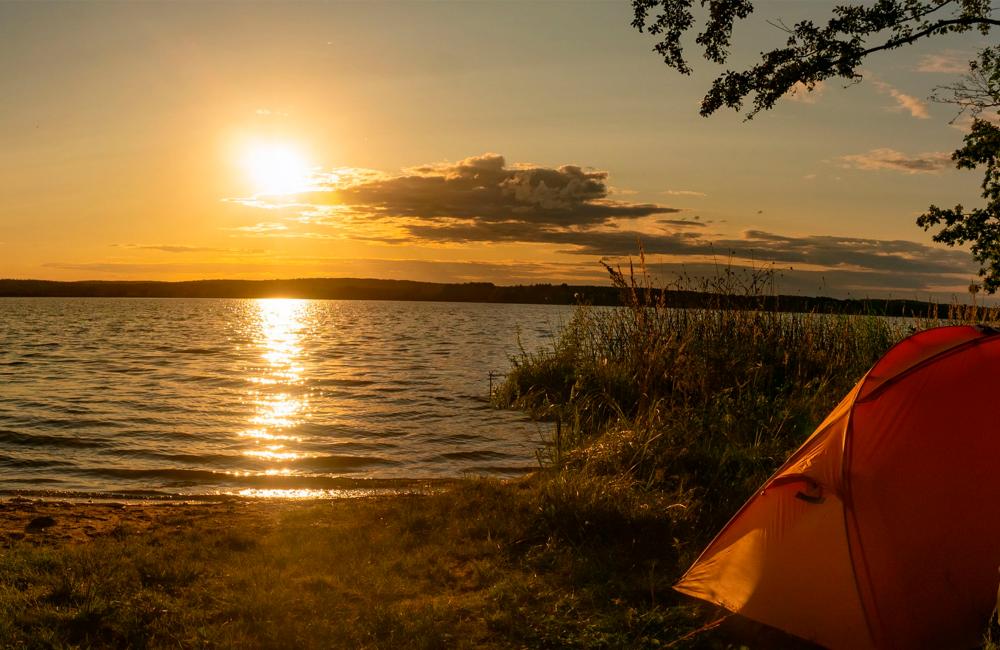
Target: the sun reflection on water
(277, 407)
(293, 493)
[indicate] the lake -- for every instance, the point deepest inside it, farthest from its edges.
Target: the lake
(273, 397)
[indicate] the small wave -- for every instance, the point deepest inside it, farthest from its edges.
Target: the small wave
(35, 355)
(196, 351)
(503, 470)
(475, 455)
(343, 382)
(186, 475)
(342, 462)
(69, 423)
(187, 478)
(463, 437)
(219, 460)
(28, 463)
(42, 440)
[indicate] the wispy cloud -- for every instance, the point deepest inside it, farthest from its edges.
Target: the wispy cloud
(175, 248)
(516, 271)
(964, 121)
(890, 159)
(803, 94)
(682, 223)
(915, 107)
(946, 62)
(690, 193)
(263, 227)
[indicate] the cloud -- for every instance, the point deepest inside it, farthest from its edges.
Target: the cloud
(514, 272)
(825, 251)
(485, 201)
(685, 193)
(878, 159)
(897, 273)
(171, 248)
(915, 107)
(852, 253)
(948, 62)
(264, 227)
(838, 283)
(804, 94)
(682, 223)
(484, 188)
(964, 121)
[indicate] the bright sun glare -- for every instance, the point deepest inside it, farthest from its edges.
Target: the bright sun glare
(276, 168)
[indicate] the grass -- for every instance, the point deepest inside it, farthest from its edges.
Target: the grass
(480, 566)
(665, 422)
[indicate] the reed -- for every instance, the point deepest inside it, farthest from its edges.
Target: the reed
(698, 405)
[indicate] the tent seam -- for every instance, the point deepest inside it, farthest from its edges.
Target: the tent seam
(848, 504)
(878, 390)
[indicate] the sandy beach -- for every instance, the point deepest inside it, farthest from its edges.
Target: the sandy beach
(60, 522)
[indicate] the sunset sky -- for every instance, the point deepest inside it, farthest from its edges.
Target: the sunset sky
(507, 142)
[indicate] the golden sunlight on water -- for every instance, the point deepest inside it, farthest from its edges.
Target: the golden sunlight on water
(268, 397)
(277, 409)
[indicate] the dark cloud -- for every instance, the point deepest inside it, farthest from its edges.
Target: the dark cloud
(894, 255)
(485, 189)
(682, 223)
(833, 282)
(848, 253)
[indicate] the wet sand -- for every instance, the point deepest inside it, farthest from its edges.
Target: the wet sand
(43, 521)
(53, 520)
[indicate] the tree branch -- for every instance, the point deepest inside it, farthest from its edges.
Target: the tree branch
(941, 25)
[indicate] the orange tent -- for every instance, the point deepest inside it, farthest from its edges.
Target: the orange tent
(883, 529)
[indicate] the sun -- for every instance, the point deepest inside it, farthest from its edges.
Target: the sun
(276, 168)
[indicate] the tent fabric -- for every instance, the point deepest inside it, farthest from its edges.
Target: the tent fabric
(880, 531)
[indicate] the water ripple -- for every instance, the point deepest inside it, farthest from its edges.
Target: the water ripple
(209, 396)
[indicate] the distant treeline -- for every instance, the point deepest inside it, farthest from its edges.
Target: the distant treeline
(370, 289)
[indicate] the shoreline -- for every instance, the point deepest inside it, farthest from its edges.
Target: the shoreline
(87, 515)
(82, 516)
(352, 488)
(484, 293)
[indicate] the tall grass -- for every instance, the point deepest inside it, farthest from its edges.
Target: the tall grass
(690, 409)
(676, 416)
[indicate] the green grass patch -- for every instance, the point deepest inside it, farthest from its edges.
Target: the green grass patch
(483, 565)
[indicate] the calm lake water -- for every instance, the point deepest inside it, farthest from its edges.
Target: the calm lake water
(257, 397)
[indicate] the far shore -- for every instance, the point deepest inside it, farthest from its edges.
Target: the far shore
(470, 292)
